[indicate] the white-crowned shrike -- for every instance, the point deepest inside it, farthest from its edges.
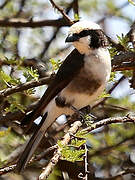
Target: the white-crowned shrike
(79, 81)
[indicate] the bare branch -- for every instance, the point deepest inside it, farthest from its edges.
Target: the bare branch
(25, 86)
(22, 4)
(76, 7)
(108, 149)
(119, 61)
(107, 121)
(120, 174)
(4, 4)
(47, 44)
(65, 16)
(110, 91)
(8, 169)
(21, 23)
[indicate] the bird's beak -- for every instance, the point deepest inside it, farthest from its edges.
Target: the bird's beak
(71, 38)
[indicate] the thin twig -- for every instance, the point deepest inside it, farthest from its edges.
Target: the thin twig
(45, 152)
(4, 4)
(25, 86)
(76, 7)
(86, 162)
(110, 91)
(47, 43)
(21, 6)
(8, 169)
(120, 174)
(108, 149)
(65, 16)
(107, 121)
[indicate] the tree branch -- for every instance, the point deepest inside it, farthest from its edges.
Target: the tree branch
(21, 23)
(107, 121)
(57, 153)
(76, 7)
(120, 61)
(65, 16)
(25, 86)
(4, 4)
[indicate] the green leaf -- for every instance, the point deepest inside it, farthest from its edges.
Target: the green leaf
(77, 143)
(112, 77)
(30, 91)
(31, 74)
(4, 133)
(76, 17)
(55, 64)
(113, 51)
(103, 95)
(124, 41)
(71, 154)
(6, 78)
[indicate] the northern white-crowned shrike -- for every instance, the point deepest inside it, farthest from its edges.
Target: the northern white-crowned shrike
(79, 81)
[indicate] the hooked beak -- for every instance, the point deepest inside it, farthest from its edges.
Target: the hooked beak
(72, 38)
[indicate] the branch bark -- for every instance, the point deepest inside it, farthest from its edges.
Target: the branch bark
(57, 153)
(23, 23)
(107, 121)
(25, 86)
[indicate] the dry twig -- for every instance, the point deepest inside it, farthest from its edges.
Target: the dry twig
(65, 16)
(107, 121)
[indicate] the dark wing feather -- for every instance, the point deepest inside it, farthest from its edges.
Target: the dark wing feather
(70, 67)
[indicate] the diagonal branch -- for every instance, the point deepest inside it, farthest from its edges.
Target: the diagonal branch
(65, 16)
(57, 153)
(4, 4)
(76, 7)
(25, 86)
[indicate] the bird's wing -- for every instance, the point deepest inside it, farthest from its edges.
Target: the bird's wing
(67, 71)
(70, 67)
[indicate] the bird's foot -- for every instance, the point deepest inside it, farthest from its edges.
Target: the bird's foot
(86, 117)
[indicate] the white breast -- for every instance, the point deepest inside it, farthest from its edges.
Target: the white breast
(99, 63)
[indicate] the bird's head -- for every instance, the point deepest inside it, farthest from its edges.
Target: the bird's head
(86, 36)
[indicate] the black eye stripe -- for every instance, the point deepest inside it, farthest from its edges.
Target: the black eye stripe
(84, 33)
(98, 38)
(88, 32)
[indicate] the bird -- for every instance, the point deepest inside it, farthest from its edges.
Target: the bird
(80, 79)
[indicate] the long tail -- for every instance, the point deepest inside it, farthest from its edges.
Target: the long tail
(31, 146)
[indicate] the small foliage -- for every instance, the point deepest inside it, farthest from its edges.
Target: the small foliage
(55, 64)
(5, 132)
(104, 95)
(76, 17)
(14, 105)
(31, 74)
(71, 154)
(124, 41)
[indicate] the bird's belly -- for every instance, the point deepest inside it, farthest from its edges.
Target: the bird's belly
(82, 91)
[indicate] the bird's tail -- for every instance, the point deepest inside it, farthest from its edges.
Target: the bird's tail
(31, 146)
